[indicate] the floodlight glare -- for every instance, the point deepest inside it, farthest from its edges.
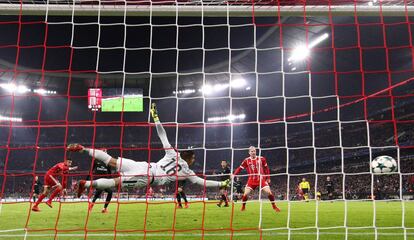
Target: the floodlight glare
(219, 87)
(10, 119)
(318, 40)
(22, 89)
(185, 91)
(207, 89)
(238, 83)
(42, 91)
(301, 52)
(10, 87)
(230, 118)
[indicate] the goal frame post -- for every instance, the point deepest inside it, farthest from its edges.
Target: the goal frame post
(206, 10)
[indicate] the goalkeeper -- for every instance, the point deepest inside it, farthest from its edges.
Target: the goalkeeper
(139, 174)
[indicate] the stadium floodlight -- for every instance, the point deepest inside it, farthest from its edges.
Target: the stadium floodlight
(12, 88)
(22, 89)
(42, 91)
(301, 52)
(238, 83)
(371, 3)
(185, 91)
(230, 118)
(209, 89)
(220, 87)
(206, 89)
(10, 119)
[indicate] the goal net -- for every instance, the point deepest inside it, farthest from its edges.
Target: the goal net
(319, 87)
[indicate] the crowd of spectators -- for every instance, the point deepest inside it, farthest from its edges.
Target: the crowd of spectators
(350, 187)
(349, 168)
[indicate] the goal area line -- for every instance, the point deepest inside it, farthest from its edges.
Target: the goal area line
(186, 9)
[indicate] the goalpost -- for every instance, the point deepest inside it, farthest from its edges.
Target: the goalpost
(328, 87)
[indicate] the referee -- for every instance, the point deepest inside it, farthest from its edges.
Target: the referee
(100, 170)
(305, 187)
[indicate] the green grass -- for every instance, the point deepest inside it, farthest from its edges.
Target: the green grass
(72, 220)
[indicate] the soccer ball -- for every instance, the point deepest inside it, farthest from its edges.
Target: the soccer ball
(384, 164)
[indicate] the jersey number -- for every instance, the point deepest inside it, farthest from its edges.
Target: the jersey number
(170, 167)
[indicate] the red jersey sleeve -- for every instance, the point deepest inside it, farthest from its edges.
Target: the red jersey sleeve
(242, 166)
(64, 168)
(266, 169)
(52, 171)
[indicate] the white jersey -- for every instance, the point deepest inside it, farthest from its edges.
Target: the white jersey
(172, 167)
(168, 169)
(141, 174)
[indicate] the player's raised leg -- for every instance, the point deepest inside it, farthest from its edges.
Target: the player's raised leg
(122, 165)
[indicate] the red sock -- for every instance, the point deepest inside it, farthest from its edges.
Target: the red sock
(39, 200)
(272, 199)
(56, 192)
(244, 199)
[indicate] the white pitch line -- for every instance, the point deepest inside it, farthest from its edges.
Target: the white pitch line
(199, 234)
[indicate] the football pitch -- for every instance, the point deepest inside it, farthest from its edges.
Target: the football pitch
(157, 218)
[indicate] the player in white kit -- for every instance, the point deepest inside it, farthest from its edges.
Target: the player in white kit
(174, 166)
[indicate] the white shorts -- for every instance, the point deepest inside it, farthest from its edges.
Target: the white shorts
(134, 174)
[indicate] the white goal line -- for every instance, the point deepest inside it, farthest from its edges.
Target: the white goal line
(205, 10)
(206, 234)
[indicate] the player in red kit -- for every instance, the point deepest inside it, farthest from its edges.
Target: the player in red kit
(258, 172)
(51, 182)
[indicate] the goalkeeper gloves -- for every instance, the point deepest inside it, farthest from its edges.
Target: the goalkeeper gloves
(226, 183)
(74, 147)
(154, 113)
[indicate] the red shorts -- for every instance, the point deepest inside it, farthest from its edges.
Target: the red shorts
(254, 184)
(49, 181)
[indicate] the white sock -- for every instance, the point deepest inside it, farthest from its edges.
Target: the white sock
(102, 183)
(87, 184)
(99, 155)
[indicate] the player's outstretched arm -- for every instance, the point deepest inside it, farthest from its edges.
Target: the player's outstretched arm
(95, 153)
(242, 166)
(73, 168)
(160, 129)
